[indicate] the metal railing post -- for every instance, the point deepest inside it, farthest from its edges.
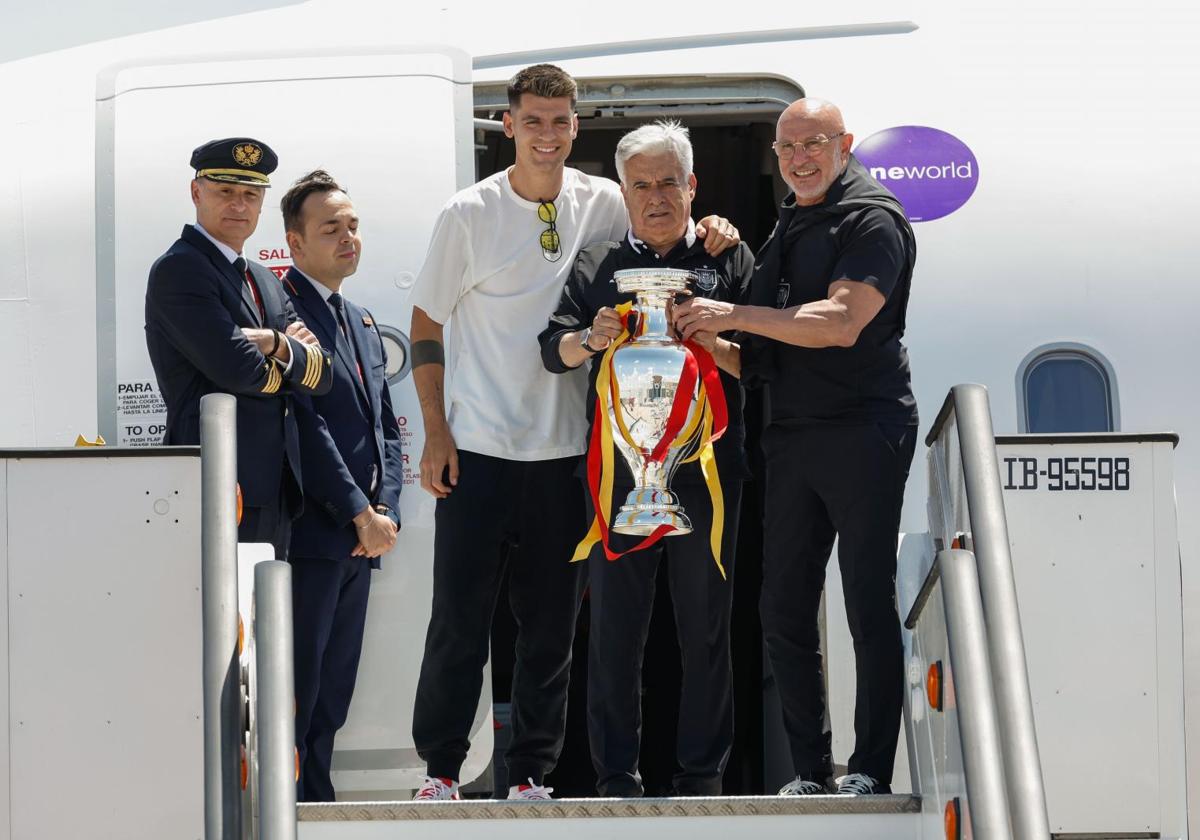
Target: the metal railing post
(219, 605)
(997, 586)
(976, 704)
(275, 700)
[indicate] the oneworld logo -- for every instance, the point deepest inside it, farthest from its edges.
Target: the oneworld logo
(932, 172)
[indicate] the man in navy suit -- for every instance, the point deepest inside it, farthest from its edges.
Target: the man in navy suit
(350, 448)
(217, 323)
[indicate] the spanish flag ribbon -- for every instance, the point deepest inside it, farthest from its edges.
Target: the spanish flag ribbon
(712, 416)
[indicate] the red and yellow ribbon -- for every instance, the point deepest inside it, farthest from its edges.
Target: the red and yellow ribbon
(681, 427)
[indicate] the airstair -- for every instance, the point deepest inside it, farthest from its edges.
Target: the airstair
(1013, 721)
(696, 818)
(979, 775)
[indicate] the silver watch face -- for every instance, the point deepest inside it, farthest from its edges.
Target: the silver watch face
(583, 339)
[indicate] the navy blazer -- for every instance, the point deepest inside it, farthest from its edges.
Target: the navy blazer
(196, 303)
(349, 437)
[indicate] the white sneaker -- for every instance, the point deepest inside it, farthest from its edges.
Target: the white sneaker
(802, 787)
(859, 784)
(434, 789)
(530, 791)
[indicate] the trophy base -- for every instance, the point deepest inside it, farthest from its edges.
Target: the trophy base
(646, 510)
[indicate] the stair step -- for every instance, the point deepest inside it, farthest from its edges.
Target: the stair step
(567, 809)
(689, 818)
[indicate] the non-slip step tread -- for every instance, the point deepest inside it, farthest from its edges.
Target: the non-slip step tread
(691, 806)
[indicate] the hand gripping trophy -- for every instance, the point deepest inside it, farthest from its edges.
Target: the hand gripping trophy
(660, 403)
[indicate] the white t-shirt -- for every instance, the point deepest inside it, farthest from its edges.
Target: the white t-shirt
(486, 275)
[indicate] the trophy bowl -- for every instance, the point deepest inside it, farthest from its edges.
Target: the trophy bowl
(646, 374)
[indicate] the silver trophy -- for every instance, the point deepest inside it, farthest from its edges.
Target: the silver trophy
(647, 371)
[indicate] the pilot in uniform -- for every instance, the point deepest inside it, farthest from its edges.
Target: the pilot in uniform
(218, 323)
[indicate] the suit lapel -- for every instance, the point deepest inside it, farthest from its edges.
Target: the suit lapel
(360, 335)
(316, 314)
(364, 339)
(353, 362)
(248, 300)
(270, 287)
(226, 269)
(327, 329)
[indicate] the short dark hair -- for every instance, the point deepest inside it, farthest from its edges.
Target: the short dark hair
(545, 80)
(292, 203)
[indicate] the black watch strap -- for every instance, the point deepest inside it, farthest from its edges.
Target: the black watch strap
(583, 341)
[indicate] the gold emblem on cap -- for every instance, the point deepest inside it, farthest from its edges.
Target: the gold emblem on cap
(247, 154)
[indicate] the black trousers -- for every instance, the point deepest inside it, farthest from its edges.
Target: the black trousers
(622, 600)
(329, 614)
(536, 507)
(821, 481)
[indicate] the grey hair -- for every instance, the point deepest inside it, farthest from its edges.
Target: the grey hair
(656, 138)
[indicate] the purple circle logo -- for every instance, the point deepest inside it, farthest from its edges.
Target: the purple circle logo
(933, 173)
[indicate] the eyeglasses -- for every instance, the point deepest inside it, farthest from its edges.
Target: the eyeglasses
(551, 246)
(812, 147)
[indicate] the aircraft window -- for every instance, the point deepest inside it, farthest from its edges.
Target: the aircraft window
(397, 345)
(1067, 389)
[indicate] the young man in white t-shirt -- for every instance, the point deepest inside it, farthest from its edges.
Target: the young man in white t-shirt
(503, 435)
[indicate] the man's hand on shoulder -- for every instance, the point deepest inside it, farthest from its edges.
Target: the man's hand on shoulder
(440, 454)
(719, 234)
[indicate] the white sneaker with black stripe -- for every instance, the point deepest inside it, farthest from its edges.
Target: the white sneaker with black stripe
(802, 787)
(859, 784)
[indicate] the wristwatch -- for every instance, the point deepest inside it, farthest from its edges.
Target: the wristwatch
(389, 513)
(583, 340)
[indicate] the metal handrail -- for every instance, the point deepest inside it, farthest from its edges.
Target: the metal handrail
(219, 606)
(997, 587)
(275, 700)
(977, 718)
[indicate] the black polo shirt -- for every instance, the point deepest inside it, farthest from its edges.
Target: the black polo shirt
(591, 286)
(857, 233)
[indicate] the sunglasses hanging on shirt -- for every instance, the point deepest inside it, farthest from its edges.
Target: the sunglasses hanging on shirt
(551, 245)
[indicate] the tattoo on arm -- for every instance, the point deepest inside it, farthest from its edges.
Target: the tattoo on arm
(432, 400)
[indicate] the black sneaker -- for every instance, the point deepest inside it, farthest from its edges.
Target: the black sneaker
(860, 784)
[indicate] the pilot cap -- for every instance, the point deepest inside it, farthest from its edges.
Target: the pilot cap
(235, 160)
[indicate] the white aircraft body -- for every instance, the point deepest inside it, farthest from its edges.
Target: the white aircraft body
(1044, 154)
